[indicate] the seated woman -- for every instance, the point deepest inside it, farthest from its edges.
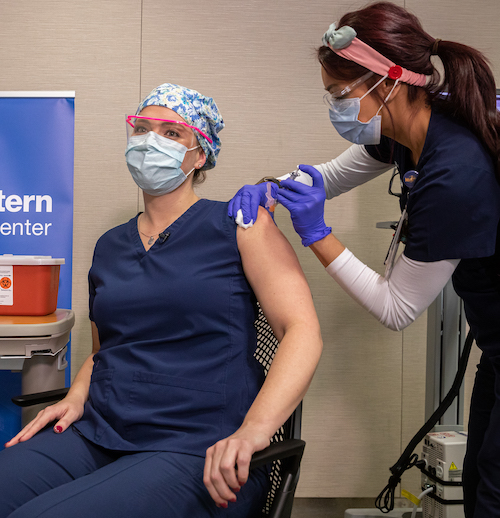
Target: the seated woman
(164, 415)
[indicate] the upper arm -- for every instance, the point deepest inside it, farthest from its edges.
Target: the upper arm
(273, 270)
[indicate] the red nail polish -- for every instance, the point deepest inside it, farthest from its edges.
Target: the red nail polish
(224, 505)
(58, 429)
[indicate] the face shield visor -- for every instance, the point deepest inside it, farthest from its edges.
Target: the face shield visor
(330, 97)
(177, 131)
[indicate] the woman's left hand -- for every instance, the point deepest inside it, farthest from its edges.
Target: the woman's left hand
(227, 464)
(306, 205)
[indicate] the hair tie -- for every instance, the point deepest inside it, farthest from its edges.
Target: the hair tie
(434, 49)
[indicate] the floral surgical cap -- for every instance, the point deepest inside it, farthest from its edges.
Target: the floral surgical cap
(196, 109)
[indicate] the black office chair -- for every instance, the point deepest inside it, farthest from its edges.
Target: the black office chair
(286, 448)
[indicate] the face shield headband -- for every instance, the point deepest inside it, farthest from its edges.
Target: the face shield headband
(343, 41)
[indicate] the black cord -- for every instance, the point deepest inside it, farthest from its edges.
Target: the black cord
(385, 501)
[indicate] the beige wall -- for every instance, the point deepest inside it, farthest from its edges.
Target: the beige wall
(256, 58)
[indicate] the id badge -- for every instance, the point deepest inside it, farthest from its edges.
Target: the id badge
(393, 248)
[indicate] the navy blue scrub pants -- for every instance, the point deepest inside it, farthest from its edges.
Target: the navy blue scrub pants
(65, 475)
(481, 478)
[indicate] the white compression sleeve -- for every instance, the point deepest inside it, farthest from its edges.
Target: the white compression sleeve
(351, 168)
(396, 303)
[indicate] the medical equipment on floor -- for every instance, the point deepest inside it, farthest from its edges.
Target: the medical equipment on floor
(443, 454)
(33, 333)
(442, 462)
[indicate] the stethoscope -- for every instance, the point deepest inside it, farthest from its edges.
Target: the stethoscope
(407, 181)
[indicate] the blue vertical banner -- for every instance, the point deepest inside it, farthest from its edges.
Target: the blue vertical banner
(36, 198)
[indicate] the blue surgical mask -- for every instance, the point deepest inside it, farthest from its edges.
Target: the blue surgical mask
(344, 115)
(155, 163)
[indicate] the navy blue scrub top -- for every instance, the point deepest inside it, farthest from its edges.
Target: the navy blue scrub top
(454, 213)
(176, 370)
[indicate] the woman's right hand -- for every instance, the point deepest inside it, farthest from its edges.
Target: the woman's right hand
(247, 200)
(65, 412)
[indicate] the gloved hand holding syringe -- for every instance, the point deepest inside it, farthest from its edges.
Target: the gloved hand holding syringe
(245, 204)
(302, 192)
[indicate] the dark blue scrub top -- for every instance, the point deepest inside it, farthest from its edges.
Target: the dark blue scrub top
(175, 371)
(454, 213)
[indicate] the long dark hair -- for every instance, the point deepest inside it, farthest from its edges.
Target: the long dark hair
(398, 35)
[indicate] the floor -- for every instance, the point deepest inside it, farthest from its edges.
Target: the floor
(333, 507)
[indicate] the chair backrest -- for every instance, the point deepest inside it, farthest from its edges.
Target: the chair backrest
(267, 345)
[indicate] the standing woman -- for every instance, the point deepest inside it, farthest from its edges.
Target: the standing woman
(441, 135)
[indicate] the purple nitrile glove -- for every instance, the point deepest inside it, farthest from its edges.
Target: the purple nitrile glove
(247, 200)
(306, 205)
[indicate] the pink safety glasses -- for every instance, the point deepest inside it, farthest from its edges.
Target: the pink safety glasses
(131, 121)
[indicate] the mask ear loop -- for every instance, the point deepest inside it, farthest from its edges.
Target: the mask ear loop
(388, 95)
(191, 149)
(190, 172)
(373, 87)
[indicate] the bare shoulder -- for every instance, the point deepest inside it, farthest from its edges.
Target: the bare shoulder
(266, 253)
(263, 232)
